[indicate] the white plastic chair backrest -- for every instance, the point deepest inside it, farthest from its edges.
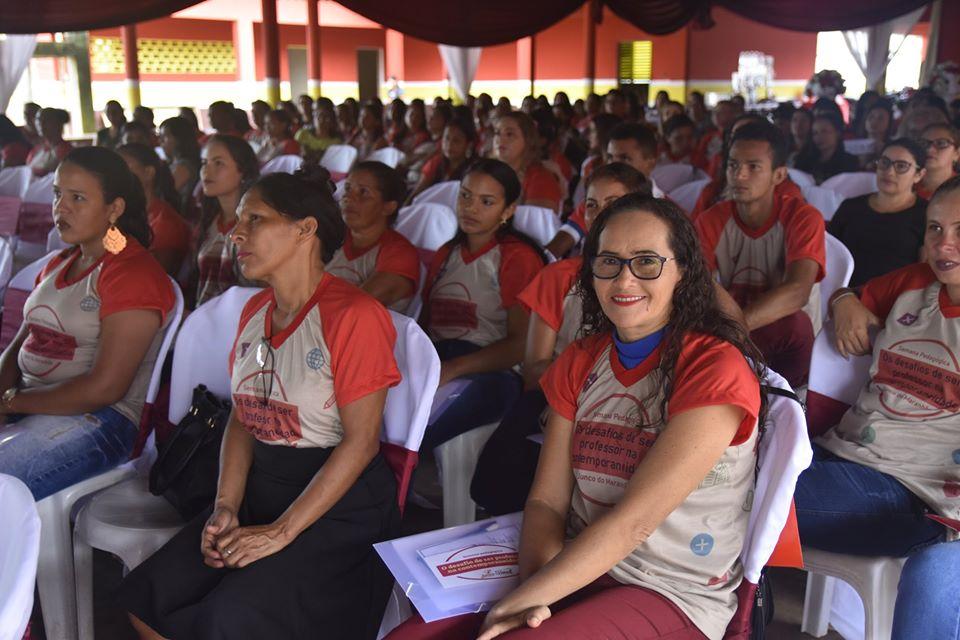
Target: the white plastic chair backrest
(426, 226)
(838, 272)
(444, 193)
(801, 178)
(202, 351)
(389, 156)
(26, 278)
(784, 453)
(6, 265)
(161, 153)
(860, 146)
(14, 181)
(670, 176)
(826, 201)
(831, 374)
(339, 158)
(539, 223)
(686, 194)
(408, 404)
(169, 333)
(416, 304)
(55, 242)
(19, 551)
(40, 190)
(339, 190)
(282, 164)
(851, 185)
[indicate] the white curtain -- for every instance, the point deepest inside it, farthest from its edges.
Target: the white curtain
(870, 46)
(15, 54)
(461, 63)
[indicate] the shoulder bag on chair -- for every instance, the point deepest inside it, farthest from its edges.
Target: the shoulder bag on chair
(186, 469)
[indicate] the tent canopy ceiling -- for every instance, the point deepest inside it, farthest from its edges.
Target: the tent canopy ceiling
(472, 23)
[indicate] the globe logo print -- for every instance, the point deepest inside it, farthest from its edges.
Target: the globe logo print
(89, 303)
(315, 359)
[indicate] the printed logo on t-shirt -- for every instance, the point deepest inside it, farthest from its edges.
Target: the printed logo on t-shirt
(918, 379)
(451, 306)
(89, 303)
(315, 359)
(277, 420)
(46, 341)
(702, 544)
(908, 319)
(747, 285)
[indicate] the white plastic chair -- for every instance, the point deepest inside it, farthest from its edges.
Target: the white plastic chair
(19, 287)
(55, 242)
(860, 146)
(416, 303)
(835, 384)
(838, 271)
(390, 156)
(801, 178)
(427, 226)
(539, 223)
(56, 577)
(686, 194)
(851, 185)
(282, 164)
(19, 549)
(338, 158)
(6, 264)
(670, 176)
(444, 193)
(15, 180)
(40, 190)
(35, 220)
(826, 201)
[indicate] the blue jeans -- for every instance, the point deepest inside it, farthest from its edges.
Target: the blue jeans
(845, 507)
(928, 600)
(485, 400)
(50, 453)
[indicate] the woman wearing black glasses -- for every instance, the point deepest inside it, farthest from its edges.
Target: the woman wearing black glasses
(286, 549)
(942, 143)
(635, 522)
(884, 230)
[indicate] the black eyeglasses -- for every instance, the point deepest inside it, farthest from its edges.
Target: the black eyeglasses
(900, 167)
(939, 144)
(263, 383)
(645, 267)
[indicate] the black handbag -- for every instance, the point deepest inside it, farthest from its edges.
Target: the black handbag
(187, 466)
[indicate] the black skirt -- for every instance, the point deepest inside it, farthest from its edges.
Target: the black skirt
(328, 583)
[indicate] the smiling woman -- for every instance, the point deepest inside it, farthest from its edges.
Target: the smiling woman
(286, 549)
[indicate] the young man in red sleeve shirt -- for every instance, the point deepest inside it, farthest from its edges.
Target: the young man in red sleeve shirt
(768, 251)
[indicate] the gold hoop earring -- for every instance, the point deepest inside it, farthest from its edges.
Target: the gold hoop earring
(114, 241)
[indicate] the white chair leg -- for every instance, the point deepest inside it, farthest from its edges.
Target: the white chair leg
(55, 577)
(458, 460)
(83, 575)
(879, 595)
(816, 604)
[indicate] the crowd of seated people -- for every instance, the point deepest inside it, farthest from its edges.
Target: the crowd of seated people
(634, 301)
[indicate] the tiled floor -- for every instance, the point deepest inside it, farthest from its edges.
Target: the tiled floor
(111, 624)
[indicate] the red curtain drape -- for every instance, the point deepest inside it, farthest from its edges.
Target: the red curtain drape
(477, 22)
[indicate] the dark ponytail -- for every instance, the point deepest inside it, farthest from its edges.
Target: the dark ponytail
(116, 181)
(307, 193)
(163, 187)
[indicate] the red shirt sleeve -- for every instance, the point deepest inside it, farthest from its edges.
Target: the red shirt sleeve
(545, 294)
(562, 381)
(400, 257)
(712, 372)
(170, 231)
(360, 335)
(880, 293)
(705, 200)
(133, 279)
(519, 263)
(804, 231)
(431, 169)
(540, 184)
(788, 188)
(709, 226)
(579, 218)
(291, 147)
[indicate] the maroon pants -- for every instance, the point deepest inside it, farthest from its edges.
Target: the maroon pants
(786, 345)
(602, 610)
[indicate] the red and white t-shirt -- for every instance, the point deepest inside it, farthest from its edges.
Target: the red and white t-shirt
(64, 317)
(170, 231)
(468, 294)
(45, 158)
(338, 349)
(693, 557)
(906, 421)
(392, 253)
(539, 183)
(217, 262)
(552, 296)
(750, 262)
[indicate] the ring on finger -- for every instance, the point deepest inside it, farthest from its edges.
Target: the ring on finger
(228, 552)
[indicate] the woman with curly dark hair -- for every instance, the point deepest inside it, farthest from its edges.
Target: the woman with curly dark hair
(649, 454)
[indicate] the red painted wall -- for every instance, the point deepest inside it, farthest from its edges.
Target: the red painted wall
(714, 53)
(948, 47)
(421, 60)
(498, 62)
(338, 50)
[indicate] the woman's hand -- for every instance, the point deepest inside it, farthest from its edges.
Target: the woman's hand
(497, 623)
(245, 545)
(853, 321)
(222, 521)
(448, 371)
